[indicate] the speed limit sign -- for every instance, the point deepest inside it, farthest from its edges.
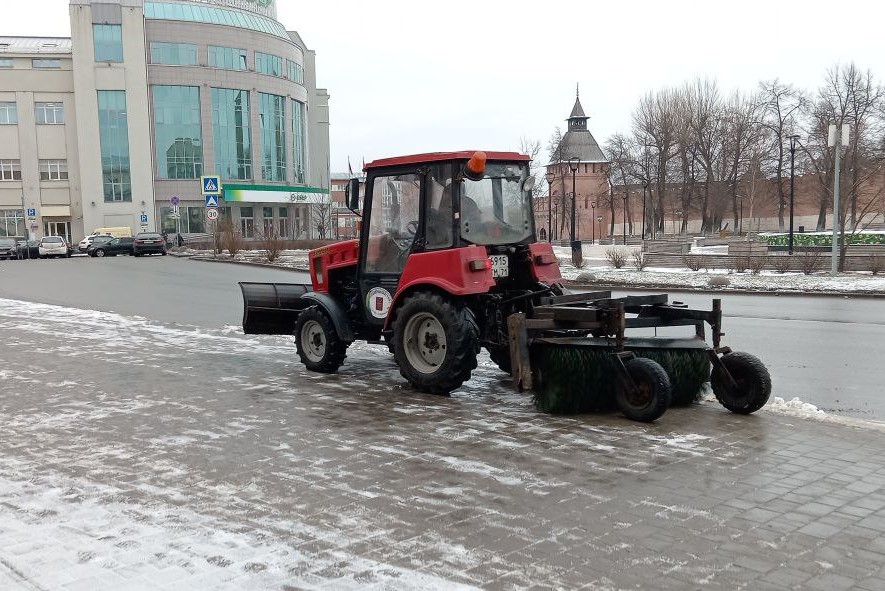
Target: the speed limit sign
(211, 214)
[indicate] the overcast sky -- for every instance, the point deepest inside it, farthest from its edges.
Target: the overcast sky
(404, 77)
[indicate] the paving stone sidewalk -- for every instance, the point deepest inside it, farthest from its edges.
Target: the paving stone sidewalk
(216, 462)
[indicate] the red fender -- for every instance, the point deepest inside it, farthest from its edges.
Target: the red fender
(458, 271)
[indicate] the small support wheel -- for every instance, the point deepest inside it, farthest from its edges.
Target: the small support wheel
(501, 357)
(317, 342)
(752, 383)
(651, 397)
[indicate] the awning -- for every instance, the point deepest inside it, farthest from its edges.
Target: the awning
(55, 211)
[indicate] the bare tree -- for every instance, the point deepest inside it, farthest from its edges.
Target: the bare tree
(532, 148)
(782, 108)
(621, 153)
(655, 128)
(319, 217)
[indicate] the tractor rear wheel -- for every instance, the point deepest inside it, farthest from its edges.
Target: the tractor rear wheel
(317, 342)
(652, 396)
(435, 343)
(752, 386)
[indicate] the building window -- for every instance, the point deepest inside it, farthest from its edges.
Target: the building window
(298, 137)
(12, 222)
(45, 63)
(178, 132)
(8, 113)
(108, 43)
(266, 63)
(273, 137)
(247, 222)
(113, 132)
(49, 113)
(5, 62)
(231, 133)
(229, 58)
(10, 170)
(174, 54)
(53, 170)
(284, 222)
(295, 71)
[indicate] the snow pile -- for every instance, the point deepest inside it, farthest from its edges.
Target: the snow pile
(795, 408)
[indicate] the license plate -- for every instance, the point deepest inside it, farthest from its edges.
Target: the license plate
(500, 265)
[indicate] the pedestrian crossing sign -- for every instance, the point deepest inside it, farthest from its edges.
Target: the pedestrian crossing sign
(211, 185)
(211, 200)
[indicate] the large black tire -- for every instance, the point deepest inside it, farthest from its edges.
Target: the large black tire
(752, 379)
(501, 357)
(653, 396)
(317, 342)
(435, 343)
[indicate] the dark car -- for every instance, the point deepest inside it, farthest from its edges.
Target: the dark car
(112, 248)
(27, 249)
(149, 243)
(7, 248)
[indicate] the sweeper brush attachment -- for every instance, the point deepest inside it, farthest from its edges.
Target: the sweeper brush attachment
(574, 354)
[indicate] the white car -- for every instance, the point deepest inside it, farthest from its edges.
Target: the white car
(53, 246)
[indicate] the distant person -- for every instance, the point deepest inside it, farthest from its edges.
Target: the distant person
(180, 240)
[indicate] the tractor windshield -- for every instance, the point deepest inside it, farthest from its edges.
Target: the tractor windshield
(497, 209)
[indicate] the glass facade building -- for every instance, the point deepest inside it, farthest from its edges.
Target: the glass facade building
(113, 131)
(273, 136)
(108, 127)
(178, 133)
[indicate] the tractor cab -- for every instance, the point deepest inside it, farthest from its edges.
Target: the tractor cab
(462, 221)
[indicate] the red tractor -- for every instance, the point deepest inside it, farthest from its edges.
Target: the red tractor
(447, 259)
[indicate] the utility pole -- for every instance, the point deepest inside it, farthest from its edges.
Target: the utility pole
(836, 137)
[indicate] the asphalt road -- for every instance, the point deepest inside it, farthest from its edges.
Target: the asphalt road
(826, 351)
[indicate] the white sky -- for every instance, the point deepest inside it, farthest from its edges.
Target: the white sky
(405, 78)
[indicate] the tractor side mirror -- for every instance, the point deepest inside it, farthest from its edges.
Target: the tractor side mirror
(353, 195)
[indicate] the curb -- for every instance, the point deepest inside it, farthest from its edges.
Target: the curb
(248, 263)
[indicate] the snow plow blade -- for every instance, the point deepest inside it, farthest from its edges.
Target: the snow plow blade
(272, 308)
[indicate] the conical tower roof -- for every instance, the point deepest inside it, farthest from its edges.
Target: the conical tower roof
(578, 141)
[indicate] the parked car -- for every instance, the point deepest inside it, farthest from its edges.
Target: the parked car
(84, 244)
(53, 246)
(7, 248)
(112, 248)
(148, 243)
(27, 249)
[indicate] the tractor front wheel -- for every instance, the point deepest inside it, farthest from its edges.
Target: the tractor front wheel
(317, 342)
(651, 397)
(752, 383)
(435, 343)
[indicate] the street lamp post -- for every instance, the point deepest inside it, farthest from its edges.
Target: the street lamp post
(576, 244)
(626, 195)
(550, 176)
(593, 223)
(793, 140)
(599, 221)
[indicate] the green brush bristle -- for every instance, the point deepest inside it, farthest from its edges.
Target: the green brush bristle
(574, 379)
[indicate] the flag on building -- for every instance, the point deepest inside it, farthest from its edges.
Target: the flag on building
(349, 169)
